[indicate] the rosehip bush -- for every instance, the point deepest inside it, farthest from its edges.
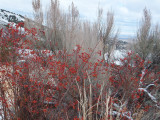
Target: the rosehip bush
(44, 84)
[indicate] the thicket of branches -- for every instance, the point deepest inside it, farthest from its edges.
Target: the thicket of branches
(147, 41)
(65, 29)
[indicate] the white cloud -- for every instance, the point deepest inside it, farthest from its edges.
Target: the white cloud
(124, 10)
(16, 5)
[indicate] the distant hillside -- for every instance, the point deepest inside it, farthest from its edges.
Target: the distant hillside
(8, 17)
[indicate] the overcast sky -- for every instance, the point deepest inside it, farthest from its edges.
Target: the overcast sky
(127, 12)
